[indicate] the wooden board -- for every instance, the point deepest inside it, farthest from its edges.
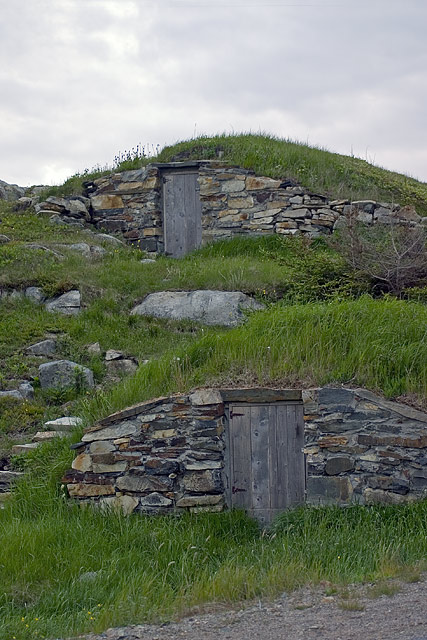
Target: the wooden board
(261, 395)
(182, 212)
(265, 462)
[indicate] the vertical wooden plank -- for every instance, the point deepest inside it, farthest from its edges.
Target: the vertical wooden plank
(295, 456)
(273, 460)
(240, 434)
(259, 457)
(281, 492)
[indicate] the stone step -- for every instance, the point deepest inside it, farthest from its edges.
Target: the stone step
(7, 478)
(45, 436)
(67, 423)
(19, 449)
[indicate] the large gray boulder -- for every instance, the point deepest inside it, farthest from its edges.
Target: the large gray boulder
(67, 303)
(10, 192)
(209, 307)
(63, 373)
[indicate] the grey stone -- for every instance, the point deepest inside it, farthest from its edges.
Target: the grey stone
(35, 294)
(111, 433)
(111, 354)
(67, 303)
(203, 482)
(209, 307)
(101, 447)
(26, 390)
(155, 500)
(55, 219)
(63, 373)
(43, 348)
(9, 477)
(202, 501)
(19, 449)
(339, 464)
(94, 349)
(110, 239)
(203, 397)
(14, 393)
(67, 423)
(342, 399)
(328, 490)
(201, 465)
(4, 239)
(141, 484)
(10, 192)
(147, 261)
(124, 367)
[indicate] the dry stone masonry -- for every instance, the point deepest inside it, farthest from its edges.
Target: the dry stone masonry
(170, 453)
(234, 201)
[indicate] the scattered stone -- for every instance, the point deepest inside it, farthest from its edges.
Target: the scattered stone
(4, 239)
(8, 478)
(111, 354)
(35, 294)
(45, 436)
(19, 449)
(55, 219)
(86, 250)
(11, 394)
(147, 261)
(68, 303)
(10, 192)
(89, 576)
(209, 307)
(63, 373)
(94, 349)
(26, 390)
(122, 367)
(24, 203)
(67, 423)
(43, 348)
(110, 239)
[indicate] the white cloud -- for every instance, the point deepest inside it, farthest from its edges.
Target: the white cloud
(82, 79)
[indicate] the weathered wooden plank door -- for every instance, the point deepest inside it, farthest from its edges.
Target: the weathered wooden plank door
(182, 213)
(265, 469)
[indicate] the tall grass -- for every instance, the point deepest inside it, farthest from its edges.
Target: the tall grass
(380, 344)
(65, 570)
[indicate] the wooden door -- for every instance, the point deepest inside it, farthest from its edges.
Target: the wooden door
(182, 212)
(265, 465)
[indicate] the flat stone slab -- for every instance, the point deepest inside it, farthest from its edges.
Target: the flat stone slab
(18, 449)
(208, 307)
(43, 348)
(67, 423)
(68, 303)
(45, 436)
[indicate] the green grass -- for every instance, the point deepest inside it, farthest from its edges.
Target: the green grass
(317, 169)
(379, 344)
(153, 569)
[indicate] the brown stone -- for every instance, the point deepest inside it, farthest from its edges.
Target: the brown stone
(107, 201)
(82, 463)
(258, 182)
(89, 490)
(199, 501)
(332, 441)
(203, 397)
(413, 442)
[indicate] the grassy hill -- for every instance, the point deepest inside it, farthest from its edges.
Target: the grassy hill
(319, 170)
(323, 322)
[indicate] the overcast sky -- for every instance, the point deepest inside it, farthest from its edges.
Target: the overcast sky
(81, 80)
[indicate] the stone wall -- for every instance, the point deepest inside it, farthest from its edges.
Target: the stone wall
(168, 454)
(363, 448)
(234, 201)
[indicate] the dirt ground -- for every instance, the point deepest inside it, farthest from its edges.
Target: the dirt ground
(308, 614)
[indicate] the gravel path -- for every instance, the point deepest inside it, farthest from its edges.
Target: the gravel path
(307, 614)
